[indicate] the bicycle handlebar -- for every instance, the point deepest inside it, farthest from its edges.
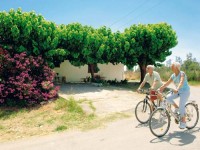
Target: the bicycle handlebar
(143, 91)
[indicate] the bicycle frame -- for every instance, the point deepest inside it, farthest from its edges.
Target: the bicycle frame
(164, 113)
(171, 113)
(147, 98)
(145, 107)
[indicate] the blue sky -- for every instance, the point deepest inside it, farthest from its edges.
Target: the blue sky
(183, 15)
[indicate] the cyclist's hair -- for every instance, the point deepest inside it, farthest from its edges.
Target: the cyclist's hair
(177, 65)
(150, 66)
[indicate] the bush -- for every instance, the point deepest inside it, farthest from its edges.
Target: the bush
(25, 80)
(132, 75)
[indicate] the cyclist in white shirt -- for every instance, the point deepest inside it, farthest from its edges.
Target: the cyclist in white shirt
(153, 78)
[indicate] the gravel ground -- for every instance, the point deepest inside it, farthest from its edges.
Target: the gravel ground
(106, 99)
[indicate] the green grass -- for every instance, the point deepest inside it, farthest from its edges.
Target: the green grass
(1, 127)
(61, 103)
(92, 106)
(194, 83)
(61, 128)
(9, 113)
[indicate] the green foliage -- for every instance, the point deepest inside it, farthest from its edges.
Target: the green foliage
(164, 71)
(139, 44)
(30, 33)
(190, 66)
(72, 40)
(149, 44)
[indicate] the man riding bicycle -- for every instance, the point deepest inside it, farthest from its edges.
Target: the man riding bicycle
(153, 78)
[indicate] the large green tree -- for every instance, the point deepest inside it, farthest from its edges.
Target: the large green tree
(87, 45)
(93, 49)
(73, 39)
(149, 44)
(139, 44)
(30, 33)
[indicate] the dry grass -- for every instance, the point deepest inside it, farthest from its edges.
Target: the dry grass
(131, 75)
(53, 117)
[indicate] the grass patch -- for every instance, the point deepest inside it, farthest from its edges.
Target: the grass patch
(88, 102)
(92, 106)
(1, 127)
(9, 113)
(57, 116)
(73, 107)
(61, 128)
(60, 103)
(194, 83)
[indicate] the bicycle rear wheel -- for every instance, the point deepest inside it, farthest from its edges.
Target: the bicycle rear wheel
(143, 111)
(192, 115)
(159, 122)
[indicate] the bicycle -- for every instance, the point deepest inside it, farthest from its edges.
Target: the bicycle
(143, 109)
(160, 119)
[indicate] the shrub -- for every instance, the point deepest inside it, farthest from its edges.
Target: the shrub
(25, 80)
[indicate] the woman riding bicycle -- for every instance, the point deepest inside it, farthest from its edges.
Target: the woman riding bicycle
(182, 90)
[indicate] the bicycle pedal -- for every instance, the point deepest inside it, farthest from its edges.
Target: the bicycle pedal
(176, 121)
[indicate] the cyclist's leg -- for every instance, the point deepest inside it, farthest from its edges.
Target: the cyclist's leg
(159, 95)
(183, 99)
(152, 106)
(170, 99)
(160, 98)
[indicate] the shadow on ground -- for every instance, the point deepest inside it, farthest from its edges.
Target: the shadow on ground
(79, 88)
(178, 138)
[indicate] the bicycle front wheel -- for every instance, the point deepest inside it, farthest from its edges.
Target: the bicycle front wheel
(143, 111)
(192, 115)
(159, 122)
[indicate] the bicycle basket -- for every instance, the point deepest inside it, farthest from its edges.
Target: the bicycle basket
(153, 95)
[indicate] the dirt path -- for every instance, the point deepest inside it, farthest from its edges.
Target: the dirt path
(109, 99)
(106, 99)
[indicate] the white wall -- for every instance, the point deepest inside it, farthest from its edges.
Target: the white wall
(74, 74)
(111, 72)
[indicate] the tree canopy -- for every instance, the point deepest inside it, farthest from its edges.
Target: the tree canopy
(139, 44)
(149, 44)
(30, 33)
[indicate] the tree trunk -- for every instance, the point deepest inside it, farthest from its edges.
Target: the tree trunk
(91, 70)
(142, 71)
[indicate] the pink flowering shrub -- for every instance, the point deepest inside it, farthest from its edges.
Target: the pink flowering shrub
(25, 80)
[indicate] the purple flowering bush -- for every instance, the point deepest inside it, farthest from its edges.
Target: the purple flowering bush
(25, 80)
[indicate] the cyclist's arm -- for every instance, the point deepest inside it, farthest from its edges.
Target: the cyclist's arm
(181, 82)
(166, 84)
(141, 85)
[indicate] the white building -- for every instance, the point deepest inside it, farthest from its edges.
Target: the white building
(77, 74)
